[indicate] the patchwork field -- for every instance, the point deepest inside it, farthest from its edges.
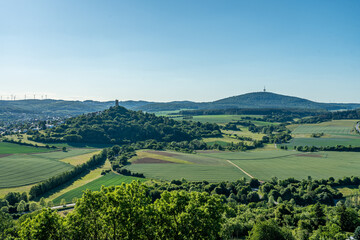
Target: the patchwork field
(24, 169)
(337, 132)
(335, 127)
(110, 179)
(214, 166)
(192, 167)
(283, 164)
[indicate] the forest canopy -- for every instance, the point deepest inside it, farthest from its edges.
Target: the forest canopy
(119, 125)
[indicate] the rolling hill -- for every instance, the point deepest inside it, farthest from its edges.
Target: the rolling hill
(250, 100)
(118, 125)
(21, 109)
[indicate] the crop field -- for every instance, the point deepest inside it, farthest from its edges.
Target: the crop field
(110, 179)
(24, 169)
(11, 148)
(334, 130)
(323, 142)
(335, 127)
(193, 167)
(337, 132)
(284, 164)
(214, 166)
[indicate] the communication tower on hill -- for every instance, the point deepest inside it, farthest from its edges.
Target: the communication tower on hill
(116, 103)
(264, 89)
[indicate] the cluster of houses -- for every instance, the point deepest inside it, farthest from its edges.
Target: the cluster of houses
(24, 127)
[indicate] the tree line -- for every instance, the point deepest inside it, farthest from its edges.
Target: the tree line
(198, 210)
(47, 185)
(337, 148)
(328, 116)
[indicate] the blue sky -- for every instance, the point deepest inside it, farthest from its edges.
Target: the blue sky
(180, 50)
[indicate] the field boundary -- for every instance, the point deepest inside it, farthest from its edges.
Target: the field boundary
(240, 169)
(283, 156)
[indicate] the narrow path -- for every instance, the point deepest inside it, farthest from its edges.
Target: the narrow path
(240, 168)
(62, 206)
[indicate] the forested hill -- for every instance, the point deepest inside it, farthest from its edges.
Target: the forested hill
(250, 100)
(120, 125)
(268, 100)
(40, 109)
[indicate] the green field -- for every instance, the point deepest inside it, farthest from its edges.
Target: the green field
(24, 169)
(323, 142)
(336, 132)
(283, 164)
(11, 148)
(213, 166)
(110, 179)
(199, 168)
(333, 130)
(335, 127)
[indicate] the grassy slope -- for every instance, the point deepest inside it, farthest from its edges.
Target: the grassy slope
(110, 179)
(23, 138)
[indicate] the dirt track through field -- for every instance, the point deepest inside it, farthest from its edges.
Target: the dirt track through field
(4, 155)
(240, 168)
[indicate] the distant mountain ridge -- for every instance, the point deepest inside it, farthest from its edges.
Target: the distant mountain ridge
(250, 100)
(48, 107)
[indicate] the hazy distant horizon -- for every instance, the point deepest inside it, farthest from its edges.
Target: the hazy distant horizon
(124, 100)
(180, 50)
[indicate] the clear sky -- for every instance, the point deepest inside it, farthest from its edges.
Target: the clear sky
(198, 50)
